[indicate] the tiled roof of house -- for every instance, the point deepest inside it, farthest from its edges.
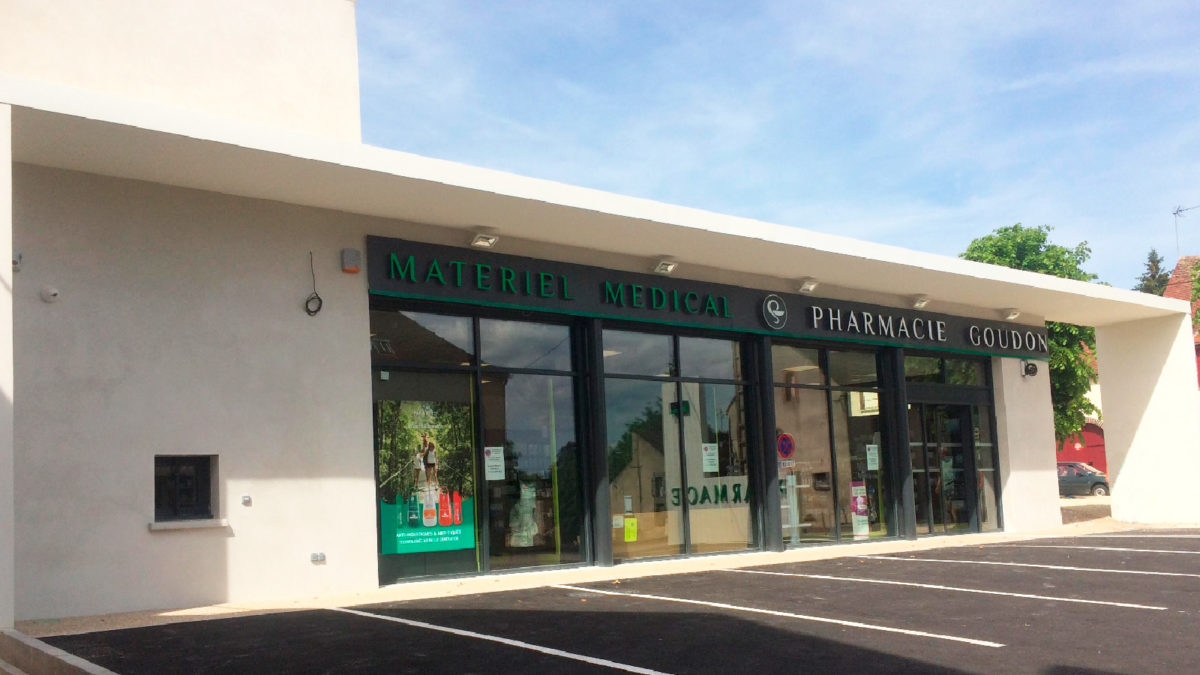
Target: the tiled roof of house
(1180, 284)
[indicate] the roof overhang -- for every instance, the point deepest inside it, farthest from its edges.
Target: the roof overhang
(67, 129)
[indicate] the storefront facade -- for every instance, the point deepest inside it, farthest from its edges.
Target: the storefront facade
(530, 413)
(204, 398)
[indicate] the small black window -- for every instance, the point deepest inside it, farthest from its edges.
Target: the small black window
(183, 486)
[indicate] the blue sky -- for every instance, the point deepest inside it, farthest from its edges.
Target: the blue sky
(919, 124)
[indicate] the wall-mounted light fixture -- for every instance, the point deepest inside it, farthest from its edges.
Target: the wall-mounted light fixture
(920, 301)
(807, 285)
(485, 240)
(1028, 369)
(665, 266)
(1011, 314)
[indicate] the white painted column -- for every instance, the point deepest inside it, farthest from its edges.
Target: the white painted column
(1151, 418)
(7, 505)
(1025, 438)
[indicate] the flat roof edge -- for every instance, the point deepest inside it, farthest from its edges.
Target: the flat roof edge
(327, 155)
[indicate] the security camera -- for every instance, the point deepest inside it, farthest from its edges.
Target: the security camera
(1029, 369)
(49, 294)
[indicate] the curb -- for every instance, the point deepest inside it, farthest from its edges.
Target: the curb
(23, 655)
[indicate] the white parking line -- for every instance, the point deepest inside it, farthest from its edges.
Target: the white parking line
(951, 588)
(505, 641)
(788, 615)
(1047, 567)
(1099, 548)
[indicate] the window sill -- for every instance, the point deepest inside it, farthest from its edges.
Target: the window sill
(198, 524)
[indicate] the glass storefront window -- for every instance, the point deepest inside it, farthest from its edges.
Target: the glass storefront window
(965, 373)
(677, 451)
(421, 338)
(531, 465)
(630, 353)
(717, 477)
(828, 495)
(797, 365)
(853, 369)
(806, 477)
(861, 465)
(433, 518)
(938, 370)
(425, 474)
(922, 369)
(521, 344)
(643, 469)
(710, 358)
(985, 466)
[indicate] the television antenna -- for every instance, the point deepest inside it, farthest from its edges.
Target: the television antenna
(1178, 213)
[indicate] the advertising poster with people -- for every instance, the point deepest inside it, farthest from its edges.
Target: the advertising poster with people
(426, 476)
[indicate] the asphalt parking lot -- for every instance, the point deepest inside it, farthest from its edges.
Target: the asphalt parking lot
(1111, 603)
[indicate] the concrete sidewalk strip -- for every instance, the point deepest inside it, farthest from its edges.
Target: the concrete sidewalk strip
(788, 615)
(958, 589)
(504, 641)
(1013, 564)
(1098, 548)
(1140, 536)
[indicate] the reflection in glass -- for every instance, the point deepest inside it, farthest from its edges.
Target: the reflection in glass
(916, 449)
(806, 477)
(922, 369)
(630, 353)
(718, 489)
(853, 368)
(985, 466)
(796, 365)
(420, 337)
(944, 467)
(965, 373)
(425, 474)
(861, 465)
(642, 444)
(531, 464)
(710, 358)
(522, 344)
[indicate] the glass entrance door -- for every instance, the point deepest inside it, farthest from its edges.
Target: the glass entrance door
(942, 452)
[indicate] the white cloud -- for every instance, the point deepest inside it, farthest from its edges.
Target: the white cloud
(914, 123)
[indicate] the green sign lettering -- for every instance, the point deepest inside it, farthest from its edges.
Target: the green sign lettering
(406, 271)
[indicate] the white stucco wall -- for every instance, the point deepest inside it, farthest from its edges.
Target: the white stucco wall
(6, 375)
(1025, 436)
(284, 63)
(1151, 418)
(180, 330)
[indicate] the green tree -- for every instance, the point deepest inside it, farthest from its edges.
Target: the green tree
(1071, 367)
(649, 426)
(1154, 279)
(1195, 296)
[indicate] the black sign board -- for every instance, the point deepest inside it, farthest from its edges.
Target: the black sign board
(407, 269)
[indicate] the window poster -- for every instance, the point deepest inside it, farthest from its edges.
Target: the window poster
(493, 462)
(859, 510)
(425, 476)
(709, 458)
